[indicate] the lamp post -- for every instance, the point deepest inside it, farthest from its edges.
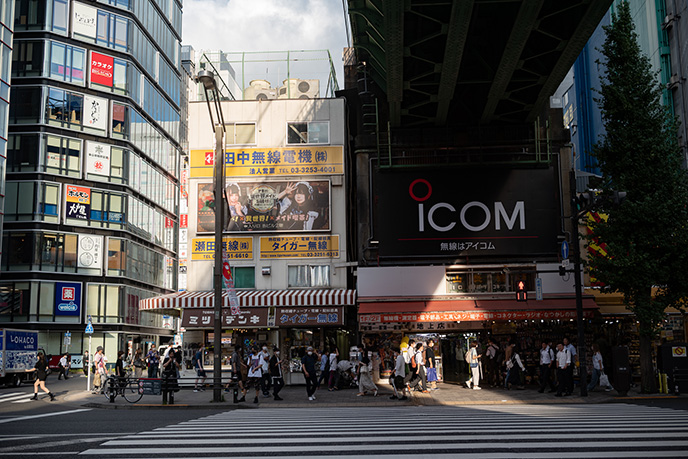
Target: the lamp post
(207, 78)
(575, 249)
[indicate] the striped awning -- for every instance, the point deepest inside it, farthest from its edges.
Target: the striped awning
(248, 298)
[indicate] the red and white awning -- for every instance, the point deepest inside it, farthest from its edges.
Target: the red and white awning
(248, 298)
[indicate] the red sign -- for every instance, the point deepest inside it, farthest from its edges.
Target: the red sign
(468, 316)
(209, 158)
(102, 69)
(184, 221)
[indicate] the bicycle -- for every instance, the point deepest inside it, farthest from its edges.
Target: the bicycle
(125, 387)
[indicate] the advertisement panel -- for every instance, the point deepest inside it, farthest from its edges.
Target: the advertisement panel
(68, 299)
(90, 251)
(97, 158)
(314, 316)
(102, 69)
(78, 202)
(267, 206)
(247, 318)
(271, 162)
(84, 20)
(299, 247)
(95, 112)
(467, 212)
(237, 248)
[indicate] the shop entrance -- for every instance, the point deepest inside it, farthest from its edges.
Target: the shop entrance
(454, 347)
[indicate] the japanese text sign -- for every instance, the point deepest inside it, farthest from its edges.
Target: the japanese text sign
(299, 247)
(78, 202)
(237, 248)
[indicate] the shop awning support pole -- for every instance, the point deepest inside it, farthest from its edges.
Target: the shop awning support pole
(575, 249)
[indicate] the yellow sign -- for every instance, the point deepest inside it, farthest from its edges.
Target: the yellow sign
(324, 246)
(678, 351)
(238, 248)
(271, 162)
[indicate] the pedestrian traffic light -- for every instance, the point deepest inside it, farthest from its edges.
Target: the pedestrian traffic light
(584, 201)
(521, 294)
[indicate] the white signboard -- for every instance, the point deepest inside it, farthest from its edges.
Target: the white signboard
(90, 251)
(97, 158)
(84, 20)
(95, 112)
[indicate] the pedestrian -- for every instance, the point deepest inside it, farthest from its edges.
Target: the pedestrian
(200, 371)
(547, 362)
(472, 357)
(276, 363)
(420, 363)
(430, 365)
(153, 361)
(365, 381)
(508, 353)
(238, 371)
(64, 366)
(324, 367)
(85, 362)
(334, 375)
(399, 376)
(308, 367)
(120, 373)
(492, 363)
(100, 362)
(515, 369)
(255, 371)
(138, 363)
(41, 369)
(597, 369)
(563, 364)
(170, 385)
(574, 363)
(265, 382)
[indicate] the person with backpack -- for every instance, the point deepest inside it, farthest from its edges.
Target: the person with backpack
(492, 354)
(472, 357)
(515, 370)
(546, 364)
(197, 362)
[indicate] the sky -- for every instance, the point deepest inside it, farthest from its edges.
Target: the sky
(269, 25)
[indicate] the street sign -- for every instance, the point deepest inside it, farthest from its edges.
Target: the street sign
(565, 263)
(564, 250)
(538, 289)
(89, 328)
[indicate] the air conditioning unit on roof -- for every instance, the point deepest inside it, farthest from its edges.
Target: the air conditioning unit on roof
(260, 90)
(295, 88)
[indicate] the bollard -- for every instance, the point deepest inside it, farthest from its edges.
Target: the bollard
(112, 391)
(235, 394)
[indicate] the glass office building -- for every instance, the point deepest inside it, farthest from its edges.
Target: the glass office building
(93, 157)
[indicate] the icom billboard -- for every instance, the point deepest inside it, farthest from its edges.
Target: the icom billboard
(470, 212)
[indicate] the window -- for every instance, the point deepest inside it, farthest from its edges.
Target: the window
(29, 15)
(25, 105)
(120, 121)
(312, 132)
(240, 134)
(15, 299)
(309, 276)
(64, 108)
(18, 251)
(489, 281)
(62, 156)
(67, 63)
(244, 276)
(59, 12)
(48, 202)
(22, 152)
(19, 201)
(27, 58)
(117, 257)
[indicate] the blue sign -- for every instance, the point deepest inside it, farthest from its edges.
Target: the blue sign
(68, 299)
(89, 328)
(564, 250)
(16, 340)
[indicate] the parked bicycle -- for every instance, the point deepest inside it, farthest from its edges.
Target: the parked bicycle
(128, 388)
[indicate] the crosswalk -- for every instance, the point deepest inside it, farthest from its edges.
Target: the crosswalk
(495, 431)
(16, 397)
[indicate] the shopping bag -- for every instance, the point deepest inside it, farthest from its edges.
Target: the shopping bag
(604, 380)
(432, 374)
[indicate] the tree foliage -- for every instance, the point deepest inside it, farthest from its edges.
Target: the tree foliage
(646, 236)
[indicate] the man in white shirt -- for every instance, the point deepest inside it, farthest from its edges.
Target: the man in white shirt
(563, 364)
(546, 364)
(64, 367)
(420, 362)
(399, 375)
(574, 363)
(265, 381)
(255, 371)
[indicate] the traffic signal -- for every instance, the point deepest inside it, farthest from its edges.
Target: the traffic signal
(584, 201)
(521, 294)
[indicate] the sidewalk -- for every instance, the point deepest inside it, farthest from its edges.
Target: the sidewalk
(74, 391)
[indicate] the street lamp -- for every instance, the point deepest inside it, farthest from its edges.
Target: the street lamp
(575, 248)
(207, 79)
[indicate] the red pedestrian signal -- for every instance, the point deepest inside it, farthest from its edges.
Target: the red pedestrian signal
(521, 294)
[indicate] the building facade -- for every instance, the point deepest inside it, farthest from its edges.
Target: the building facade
(92, 188)
(7, 27)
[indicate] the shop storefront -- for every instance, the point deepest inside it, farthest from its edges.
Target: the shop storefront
(289, 319)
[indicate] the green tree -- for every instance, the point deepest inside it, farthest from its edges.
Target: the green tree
(647, 235)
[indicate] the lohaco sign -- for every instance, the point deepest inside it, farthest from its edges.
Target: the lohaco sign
(467, 212)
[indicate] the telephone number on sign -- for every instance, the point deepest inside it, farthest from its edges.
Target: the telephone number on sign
(232, 256)
(307, 170)
(333, 253)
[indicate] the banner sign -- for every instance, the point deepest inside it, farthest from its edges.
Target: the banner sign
(467, 212)
(68, 299)
(247, 318)
(453, 316)
(299, 247)
(317, 316)
(95, 112)
(238, 248)
(267, 206)
(102, 69)
(84, 20)
(271, 162)
(97, 158)
(90, 251)
(78, 201)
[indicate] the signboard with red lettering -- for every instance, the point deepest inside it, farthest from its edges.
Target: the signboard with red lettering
(78, 202)
(102, 69)
(453, 316)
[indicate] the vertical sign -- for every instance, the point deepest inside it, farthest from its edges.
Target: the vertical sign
(97, 158)
(78, 200)
(68, 299)
(102, 69)
(95, 112)
(90, 251)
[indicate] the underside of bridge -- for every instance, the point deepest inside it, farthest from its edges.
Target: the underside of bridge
(469, 63)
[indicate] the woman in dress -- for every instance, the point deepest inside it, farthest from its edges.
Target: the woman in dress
(365, 381)
(41, 369)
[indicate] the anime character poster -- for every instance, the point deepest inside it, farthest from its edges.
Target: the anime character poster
(274, 206)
